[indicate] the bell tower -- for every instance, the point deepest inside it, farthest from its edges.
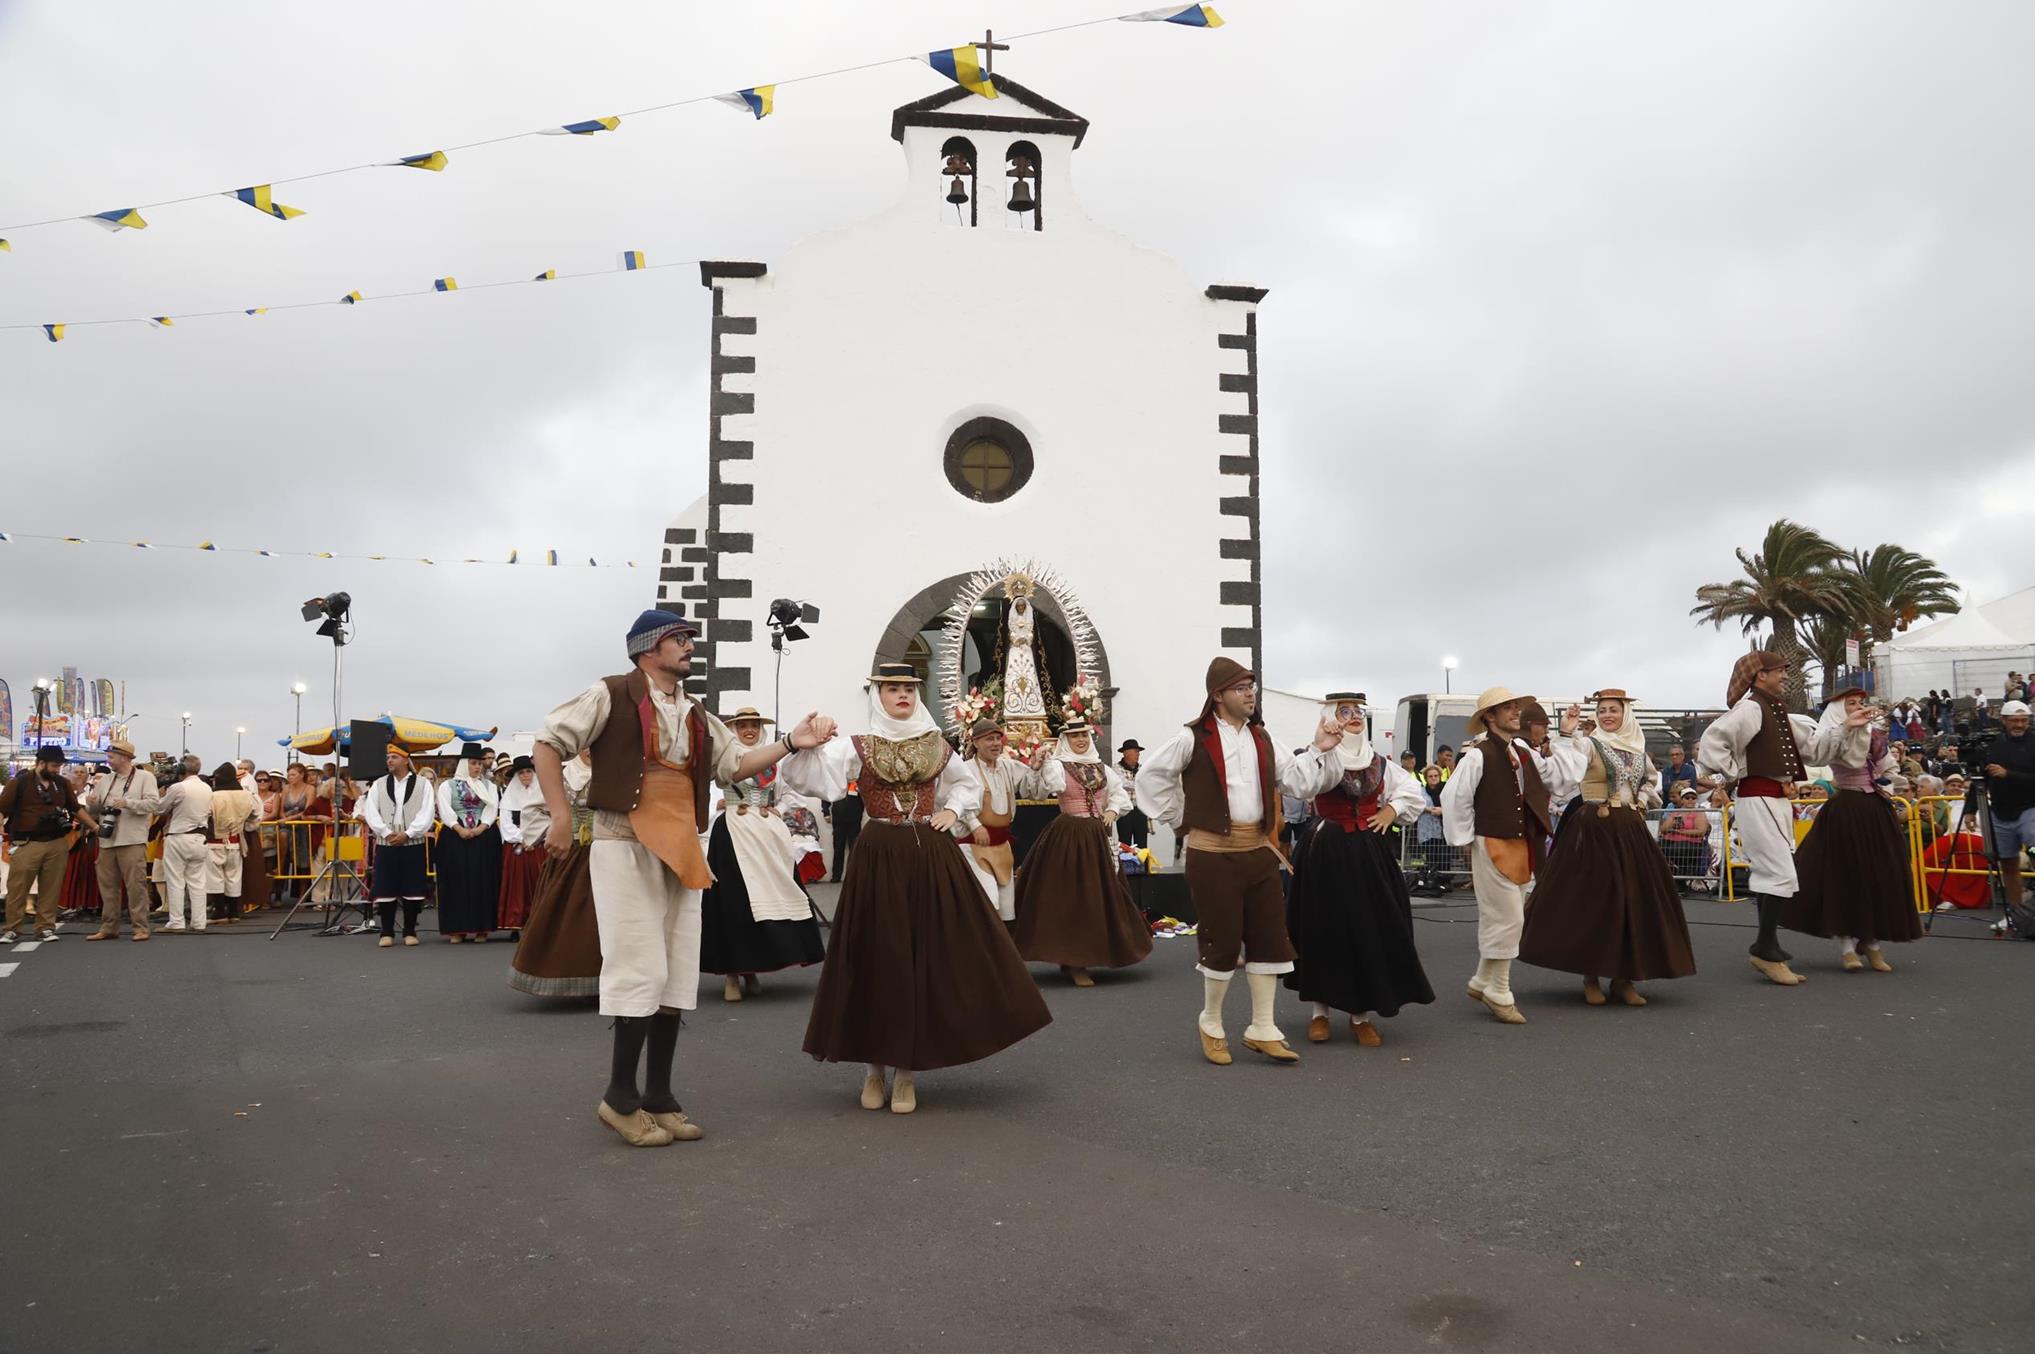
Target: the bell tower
(990, 164)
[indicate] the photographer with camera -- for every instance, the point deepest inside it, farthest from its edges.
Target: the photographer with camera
(2008, 766)
(122, 805)
(40, 809)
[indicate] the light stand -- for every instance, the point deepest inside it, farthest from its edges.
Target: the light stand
(788, 620)
(349, 890)
(298, 689)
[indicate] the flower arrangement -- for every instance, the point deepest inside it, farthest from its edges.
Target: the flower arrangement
(981, 702)
(1083, 703)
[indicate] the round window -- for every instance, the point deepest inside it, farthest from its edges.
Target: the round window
(988, 460)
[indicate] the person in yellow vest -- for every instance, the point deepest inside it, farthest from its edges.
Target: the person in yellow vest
(656, 755)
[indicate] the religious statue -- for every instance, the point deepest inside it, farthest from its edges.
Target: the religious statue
(1024, 694)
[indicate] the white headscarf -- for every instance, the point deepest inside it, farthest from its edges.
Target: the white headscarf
(920, 721)
(1355, 751)
(1065, 752)
(1629, 738)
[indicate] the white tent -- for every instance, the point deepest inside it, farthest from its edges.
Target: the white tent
(1975, 648)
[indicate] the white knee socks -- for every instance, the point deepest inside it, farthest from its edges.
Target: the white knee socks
(1850, 945)
(1499, 987)
(1213, 990)
(1264, 997)
(1483, 978)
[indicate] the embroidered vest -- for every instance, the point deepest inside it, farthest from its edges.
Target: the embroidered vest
(1086, 793)
(895, 785)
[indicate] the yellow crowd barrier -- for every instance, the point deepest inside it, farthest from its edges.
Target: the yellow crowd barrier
(299, 847)
(1924, 821)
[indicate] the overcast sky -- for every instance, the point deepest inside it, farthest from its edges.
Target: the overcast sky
(1567, 301)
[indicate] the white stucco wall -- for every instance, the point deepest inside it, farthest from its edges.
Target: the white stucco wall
(875, 341)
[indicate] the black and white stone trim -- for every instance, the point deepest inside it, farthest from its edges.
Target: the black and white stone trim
(725, 576)
(1242, 598)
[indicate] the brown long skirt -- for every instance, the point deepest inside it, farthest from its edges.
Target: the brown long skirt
(1606, 905)
(1073, 907)
(1853, 870)
(920, 974)
(559, 954)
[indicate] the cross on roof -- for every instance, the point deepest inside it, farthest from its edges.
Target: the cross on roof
(990, 47)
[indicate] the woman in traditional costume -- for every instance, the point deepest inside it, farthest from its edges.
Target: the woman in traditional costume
(1073, 907)
(920, 974)
(1348, 914)
(755, 918)
(467, 855)
(559, 952)
(1853, 865)
(522, 854)
(1607, 905)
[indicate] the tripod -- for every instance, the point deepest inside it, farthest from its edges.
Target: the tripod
(347, 888)
(1978, 812)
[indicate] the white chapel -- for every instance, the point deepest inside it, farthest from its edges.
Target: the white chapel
(1074, 419)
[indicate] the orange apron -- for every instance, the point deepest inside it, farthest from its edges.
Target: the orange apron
(664, 821)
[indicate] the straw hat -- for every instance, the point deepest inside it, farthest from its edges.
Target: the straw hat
(748, 714)
(895, 672)
(1492, 697)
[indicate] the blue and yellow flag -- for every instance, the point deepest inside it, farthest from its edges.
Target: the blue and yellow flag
(551, 557)
(964, 68)
(444, 284)
(55, 332)
(5, 248)
(1194, 16)
(431, 160)
(352, 298)
(632, 259)
(756, 101)
(259, 198)
(584, 128)
(548, 275)
(259, 310)
(120, 218)
(161, 321)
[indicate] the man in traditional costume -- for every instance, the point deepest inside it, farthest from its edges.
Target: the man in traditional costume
(1495, 806)
(1852, 868)
(1349, 914)
(398, 809)
(655, 756)
(1002, 781)
(1607, 905)
(920, 975)
(1761, 751)
(1220, 780)
(756, 918)
(1073, 907)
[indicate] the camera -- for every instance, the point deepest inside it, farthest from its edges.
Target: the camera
(59, 821)
(109, 823)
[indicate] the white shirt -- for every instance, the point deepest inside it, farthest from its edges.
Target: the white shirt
(1721, 750)
(1163, 799)
(1001, 786)
(411, 800)
(824, 772)
(572, 727)
(187, 807)
(516, 804)
(1561, 773)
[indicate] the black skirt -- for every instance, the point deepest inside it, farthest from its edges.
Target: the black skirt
(1606, 905)
(1853, 868)
(1351, 923)
(1073, 907)
(399, 872)
(469, 881)
(921, 973)
(731, 939)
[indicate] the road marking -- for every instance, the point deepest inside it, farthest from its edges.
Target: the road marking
(24, 946)
(6, 969)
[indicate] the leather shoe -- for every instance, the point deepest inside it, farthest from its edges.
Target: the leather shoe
(1627, 993)
(872, 1091)
(1876, 961)
(1776, 972)
(386, 943)
(140, 934)
(102, 935)
(638, 1129)
(1214, 1049)
(1278, 1050)
(678, 1126)
(904, 1096)
(1367, 1033)
(1592, 993)
(1852, 963)
(1317, 1030)
(1507, 1013)
(731, 988)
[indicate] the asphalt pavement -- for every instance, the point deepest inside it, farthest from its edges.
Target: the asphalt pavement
(226, 1144)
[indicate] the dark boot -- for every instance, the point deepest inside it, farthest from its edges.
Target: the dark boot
(386, 911)
(662, 1049)
(622, 1096)
(1767, 945)
(411, 907)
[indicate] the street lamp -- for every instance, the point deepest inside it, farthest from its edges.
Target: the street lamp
(239, 733)
(1448, 668)
(186, 717)
(298, 689)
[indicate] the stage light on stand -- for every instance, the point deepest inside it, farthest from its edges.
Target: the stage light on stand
(787, 621)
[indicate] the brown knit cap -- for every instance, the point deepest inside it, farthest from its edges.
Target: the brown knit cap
(1748, 667)
(1225, 673)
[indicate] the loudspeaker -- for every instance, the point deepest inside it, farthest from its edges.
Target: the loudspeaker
(368, 751)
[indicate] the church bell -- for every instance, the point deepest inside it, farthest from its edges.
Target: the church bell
(957, 191)
(1022, 170)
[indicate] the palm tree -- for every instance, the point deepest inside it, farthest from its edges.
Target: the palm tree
(1826, 637)
(1895, 587)
(1795, 577)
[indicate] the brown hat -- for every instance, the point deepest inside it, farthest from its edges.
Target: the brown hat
(1493, 696)
(1748, 667)
(1853, 690)
(121, 745)
(1611, 693)
(748, 714)
(982, 728)
(1225, 673)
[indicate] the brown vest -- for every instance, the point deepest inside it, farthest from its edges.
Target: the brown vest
(1772, 752)
(1205, 781)
(629, 739)
(1499, 808)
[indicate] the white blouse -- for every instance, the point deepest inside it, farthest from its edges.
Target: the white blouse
(1561, 773)
(824, 772)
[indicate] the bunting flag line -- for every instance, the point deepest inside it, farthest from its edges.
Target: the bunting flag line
(259, 198)
(587, 128)
(210, 547)
(959, 64)
(258, 310)
(352, 298)
(161, 321)
(632, 259)
(120, 218)
(548, 275)
(1194, 16)
(444, 284)
(55, 332)
(964, 68)
(757, 101)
